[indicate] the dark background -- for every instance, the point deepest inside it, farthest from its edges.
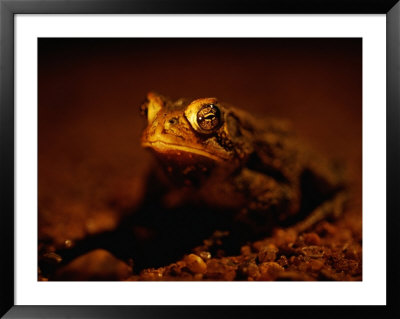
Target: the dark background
(90, 91)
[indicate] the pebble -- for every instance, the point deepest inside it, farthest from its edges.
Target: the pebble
(313, 251)
(267, 253)
(284, 236)
(152, 274)
(269, 270)
(98, 265)
(220, 270)
(312, 239)
(68, 243)
(195, 264)
(316, 265)
(282, 261)
(351, 252)
(205, 255)
(249, 271)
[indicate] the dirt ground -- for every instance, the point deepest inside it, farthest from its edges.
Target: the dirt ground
(94, 217)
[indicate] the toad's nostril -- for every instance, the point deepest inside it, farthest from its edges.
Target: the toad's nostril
(173, 120)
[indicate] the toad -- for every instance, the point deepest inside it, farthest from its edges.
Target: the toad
(216, 155)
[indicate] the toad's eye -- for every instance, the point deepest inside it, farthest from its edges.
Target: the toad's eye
(209, 117)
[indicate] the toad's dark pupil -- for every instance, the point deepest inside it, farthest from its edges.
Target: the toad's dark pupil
(209, 117)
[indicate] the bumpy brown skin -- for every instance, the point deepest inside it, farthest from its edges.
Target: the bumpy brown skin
(257, 167)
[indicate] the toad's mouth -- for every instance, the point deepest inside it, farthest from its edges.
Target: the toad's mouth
(164, 147)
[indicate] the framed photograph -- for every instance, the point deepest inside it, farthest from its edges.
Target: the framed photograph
(167, 159)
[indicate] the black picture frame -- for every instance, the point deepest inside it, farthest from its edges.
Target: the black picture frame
(8, 10)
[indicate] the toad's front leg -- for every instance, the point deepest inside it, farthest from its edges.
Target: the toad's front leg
(268, 202)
